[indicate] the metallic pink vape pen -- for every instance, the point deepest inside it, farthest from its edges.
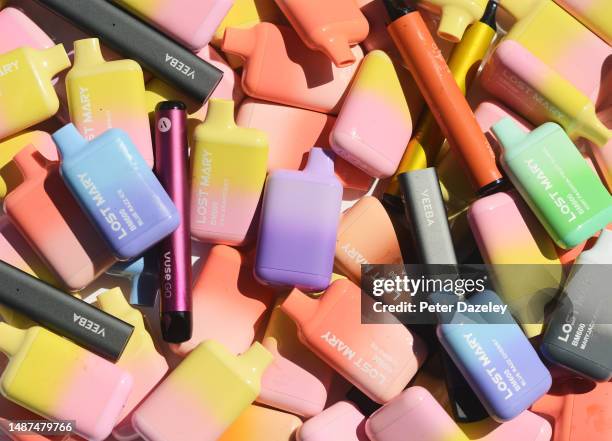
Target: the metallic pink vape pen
(171, 168)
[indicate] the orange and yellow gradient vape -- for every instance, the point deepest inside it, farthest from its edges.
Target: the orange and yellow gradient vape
(26, 69)
(108, 94)
(262, 424)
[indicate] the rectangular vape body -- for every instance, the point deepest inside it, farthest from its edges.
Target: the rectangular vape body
(63, 314)
(138, 41)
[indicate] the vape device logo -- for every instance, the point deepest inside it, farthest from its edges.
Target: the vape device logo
(85, 100)
(485, 361)
(180, 66)
(164, 124)
(354, 254)
(167, 285)
(342, 347)
(9, 68)
(89, 325)
(202, 200)
(427, 207)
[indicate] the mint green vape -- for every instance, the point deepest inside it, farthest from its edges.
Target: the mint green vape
(551, 175)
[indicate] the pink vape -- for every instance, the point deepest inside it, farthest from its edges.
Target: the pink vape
(171, 168)
(17, 30)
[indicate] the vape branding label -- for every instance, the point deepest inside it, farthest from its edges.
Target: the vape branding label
(167, 284)
(204, 188)
(380, 360)
(427, 207)
(8, 68)
(180, 66)
(89, 325)
(354, 254)
(86, 113)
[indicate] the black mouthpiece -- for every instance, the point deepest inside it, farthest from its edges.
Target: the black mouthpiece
(397, 8)
(489, 15)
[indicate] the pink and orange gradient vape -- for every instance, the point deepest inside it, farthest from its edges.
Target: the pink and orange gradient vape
(258, 423)
(379, 359)
(297, 381)
(280, 68)
(341, 421)
(171, 168)
(50, 219)
(330, 27)
(228, 303)
(17, 30)
(415, 412)
(292, 132)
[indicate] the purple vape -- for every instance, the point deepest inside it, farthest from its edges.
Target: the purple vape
(299, 222)
(171, 166)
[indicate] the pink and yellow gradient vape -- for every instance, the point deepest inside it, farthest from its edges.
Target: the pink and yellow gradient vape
(527, 84)
(297, 381)
(9, 176)
(17, 30)
(50, 219)
(594, 14)
(278, 67)
(329, 27)
(526, 269)
(140, 359)
(204, 395)
(341, 421)
(414, 413)
(456, 15)
(379, 359)
(59, 380)
(374, 124)
(258, 423)
(191, 22)
(354, 244)
(292, 132)
(27, 69)
(579, 409)
(228, 171)
(229, 88)
(527, 426)
(108, 94)
(228, 303)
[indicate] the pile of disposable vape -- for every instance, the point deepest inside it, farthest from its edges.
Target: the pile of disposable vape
(198, 196)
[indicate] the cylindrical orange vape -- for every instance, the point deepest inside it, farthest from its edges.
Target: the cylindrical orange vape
(442, 94)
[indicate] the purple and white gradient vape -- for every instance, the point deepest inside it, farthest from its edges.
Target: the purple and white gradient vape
(171, 168)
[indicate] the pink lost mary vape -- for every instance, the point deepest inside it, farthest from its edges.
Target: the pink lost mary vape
(171, 166)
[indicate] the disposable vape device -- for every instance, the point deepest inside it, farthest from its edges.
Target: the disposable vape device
(297, 381)
(259, 423)
(189, 405)
(105, 94)
(278, 67)
(577, 410)
(292, 132)
(342, 421)
(228, 171)
(355, 246)
(58, 380)
(426, 213)
(527, 273)
(551, 175)
(384, 356)
(415, 412)
(496, 359)
(143, 275)
(228, 303)
(456, 16)
(65, 241)
(192, 22)
(63, 314)
(578, 332)
(448, 105)
(117, 190)
(171, 168)
(140, 359)
(138, 41)
(528, 425)
(296, 247)
(17, 30)
(463, 63)
(540, 94)
(331, 28)
(9, 147)
(32, 70)
(593, 14)
(374, 124)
